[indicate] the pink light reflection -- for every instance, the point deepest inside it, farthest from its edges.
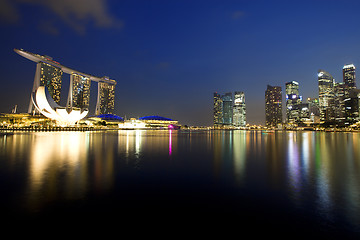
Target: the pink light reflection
(170, 142)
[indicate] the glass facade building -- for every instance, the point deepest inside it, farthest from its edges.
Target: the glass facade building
(349, 75)
(218, 110)
(79, 91)
(326, 96)
(341, 91)
(293, 100)
(227, 108)
(106, 98)
(239, 110)
(50, 77)
(352, 105)
(273, 106)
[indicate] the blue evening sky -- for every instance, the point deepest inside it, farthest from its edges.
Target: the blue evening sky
(169, 57)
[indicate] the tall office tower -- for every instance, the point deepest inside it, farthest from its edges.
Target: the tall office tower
(341, 91)
(314, 110)
(106, 97)
(349, 75)
(227, 108)
(292, 101)
(326, 96)
(303, 113)
(273, 106)
(352, 105)
(79, 92)
(218, 110)
(239, 110)
(49, 76)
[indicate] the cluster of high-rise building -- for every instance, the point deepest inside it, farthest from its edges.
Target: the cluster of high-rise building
(229, 111)
(337, 104)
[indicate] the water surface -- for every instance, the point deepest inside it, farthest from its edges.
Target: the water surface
(298, 182)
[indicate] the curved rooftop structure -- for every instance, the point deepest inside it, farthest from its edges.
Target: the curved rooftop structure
(38, 58)
(158, 118)
(111, 117)
(324, 74)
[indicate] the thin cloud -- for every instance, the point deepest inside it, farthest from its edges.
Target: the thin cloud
(163, 65)
(8, 12)
(237, 15)
(49, 28)
(77, 14)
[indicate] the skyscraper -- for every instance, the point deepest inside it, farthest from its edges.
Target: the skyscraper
(227, 108)
(49, 76)
(239, 110)
(106, 97)
(218, 110)
(79, 91)
(314, 110)
(352, 104)
(341, 90)
(326, 96)
(349, 75)
(293, 100)
(273, 106)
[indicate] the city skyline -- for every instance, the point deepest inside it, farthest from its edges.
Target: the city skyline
(169, 57)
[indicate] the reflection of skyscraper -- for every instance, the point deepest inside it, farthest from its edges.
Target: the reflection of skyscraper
(106, 98)
(326, 96)
(273, 106)
(349, 75)
(227, 108)
(50, 77)
(218, 110)
(79, 91)
(239, 110)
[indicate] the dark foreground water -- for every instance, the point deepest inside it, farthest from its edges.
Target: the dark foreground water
(283, 184)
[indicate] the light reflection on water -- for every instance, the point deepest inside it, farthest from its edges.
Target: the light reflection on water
(315, 171)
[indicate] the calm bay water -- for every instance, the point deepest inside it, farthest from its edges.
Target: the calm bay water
(294, 182)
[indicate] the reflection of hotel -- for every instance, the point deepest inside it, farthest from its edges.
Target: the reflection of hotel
(46, 90)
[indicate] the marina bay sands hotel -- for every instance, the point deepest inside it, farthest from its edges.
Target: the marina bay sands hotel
(48, 75)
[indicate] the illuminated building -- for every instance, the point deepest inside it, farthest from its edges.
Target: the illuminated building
(341, 91)
(293, 100)
(227, 108)
(218, 110)
(314, 110)
(239, 110)
(349, 75)
(352, 107)
(159, 122)
(44, 103)
(326, 96)
(79, 92)
(106, 98)
(273, 106)
(45, 95)
(49, 76)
